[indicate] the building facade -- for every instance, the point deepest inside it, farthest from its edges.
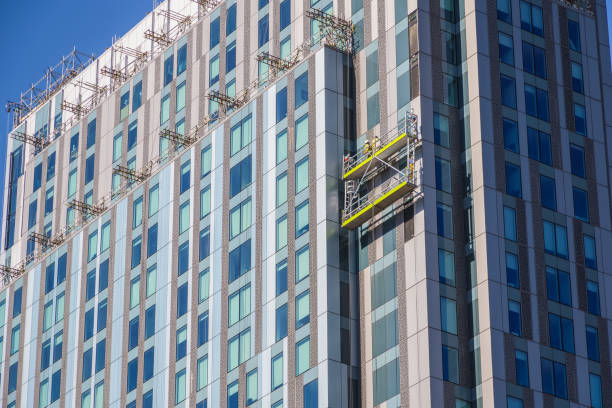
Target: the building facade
(194, 219)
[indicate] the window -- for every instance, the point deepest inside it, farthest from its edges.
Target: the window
(448, 312)
(32, 214)
(184, 217)
(241, 135)
(72, 183)
(555, 239)
(150, 322)
(183, 258)
(521, 368)
(553, 378)
(149, 364)
(285, 47)
(311, 394)
(450, 364)
(134, 292)
(577, 160)
(152, 240)
(203, 285)
(251, 387)
(147, 399)
(573, 28)
(281, 277)
(204, 243)
(124, 105)
(384, 333)
(239, 261)
(48, 316)
(513, 180)
(441, 131)
(57, 346)
(443, 174)
(12, 382)
(301, 175)
(281, 232)
(168, 69)
(511, 140)
(444, 215)
(240, 218)
(239, 349)
(87, 364)
(548, 194)
(534, 60)
(102, 306)
(100, 355)
(91, 133)
(302, 309)
(136, 251)
(577, 83)
(446, 267)
(133, 333)
(580, 119)
(386, 381)
(281, 322)
(558, 287)
(105, 237)
(61, 271)
(240, 176)
(301, 132)
(230, 57)
(373, 110)
(92, 246)
(153, 200)
(49, 201)
(214, 70)
(514, 317)
(49, 278)
(230, 24)
(509, 223)
(581, 204)
(506, 49)
(531, 18)
(203, 328)
(590, 257)
(37, 177)
(302, 356)
(281, 189)
(302, 263)
(202, 372)
(151, 280)
(301, 87)
(561, 331)
(593, 297)
(185, 176)
(281, 104)
(595, 391)
(239, 304)
(181, 343)
(206, 164)
(301, 219)
(17, 302)
(180, 386)
(181, 60)
(215, 32)
(43, 394)
(277, 371)
(281, 146)
(536, 102)
(232, 395)
(512, 271)
(592, 339)
(137, 96)
(539, 146)
(182, 295)
(508, 92)
(263, 31)
(60, 306)
(504, 11)
(137, 213)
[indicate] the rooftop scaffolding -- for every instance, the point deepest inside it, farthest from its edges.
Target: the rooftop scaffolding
(38, 142)
(54, 79)
(161, 39)
(112, 73)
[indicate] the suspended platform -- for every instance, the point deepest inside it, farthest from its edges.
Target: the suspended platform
(377, 156)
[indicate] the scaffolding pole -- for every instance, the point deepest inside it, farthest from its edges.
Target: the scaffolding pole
(113, 73)
(85, 209)
(38, 142)
(176, 138)
(337, 32)
(76, 109)
(133, 175)
(161, 39)
(9, 273)
(208, 5)
(228, 102)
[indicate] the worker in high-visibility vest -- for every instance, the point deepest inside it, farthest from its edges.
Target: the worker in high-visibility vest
(375, 144)
(366, 147)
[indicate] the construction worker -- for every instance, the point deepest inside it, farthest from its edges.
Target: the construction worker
(375, 144)
(366, 147)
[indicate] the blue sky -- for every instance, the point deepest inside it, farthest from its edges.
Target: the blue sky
(37, 33)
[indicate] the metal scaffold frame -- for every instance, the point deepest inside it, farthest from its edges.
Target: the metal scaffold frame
(53, 80)
(377, 156)
(38, 142)
(9, 273)
(135, 177)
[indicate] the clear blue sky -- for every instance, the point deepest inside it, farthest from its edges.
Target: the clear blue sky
(37, 33)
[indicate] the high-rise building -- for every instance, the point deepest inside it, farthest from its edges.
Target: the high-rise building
(282, 203)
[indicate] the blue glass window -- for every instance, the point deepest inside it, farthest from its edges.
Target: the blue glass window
(149, 364)
(203, 328)
(263, 31)
(181, 343)
(51, 166)
(132, 135)
(181, 60)
(590, 255)
(57, 346)
(230, 26)
(102, 306)
(32, 214)
(514, 317)
(150, 322)
(230, 57)
(285, 14)
(136, 251)
(513, 180)
(87, 364)
(90, 285)
(301, 89)
(240, 176)
(239, 261)
(548, 193)
(17, 302)
(37, 177)
(281, 277)
(512, 270)
(168, 69)
(91, 133)
(581, 204)
(49, 278)
(152, 240)
(504, 11)
(137, 96)
(580, 119)
(185, 176)
(508, 91)
(89, 168)
(511, 141)
(88, 329)
(204, 243)
(49, 201)
(558, 286)
(45, 356)
(592, 338)
(133, 333)
(100, 355)
(534, 60)
(577, 160)
(311, 395)
(593, 297)
(506, 48)
(215, 34)
(56, 380)
(539, 147)
(281, 104)
(183, 258)
(281, 322)
(553, 378)
(573, 28)
(181, 299)
(531, 18)
(132, 374)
